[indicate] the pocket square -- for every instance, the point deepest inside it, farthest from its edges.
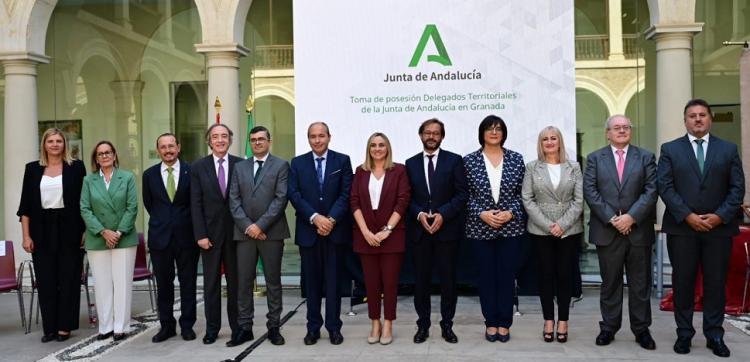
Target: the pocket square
(337, 171)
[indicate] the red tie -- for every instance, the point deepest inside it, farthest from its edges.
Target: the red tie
(620, 163)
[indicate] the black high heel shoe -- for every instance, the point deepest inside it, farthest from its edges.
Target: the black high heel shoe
(561, 337)
(548, 336)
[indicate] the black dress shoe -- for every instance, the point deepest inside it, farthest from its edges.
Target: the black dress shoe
(491, 337)
(604, 338)
(63, 337)
(241, 337)
(717, 345)
(311, 338)
(188, 334)
(49, 337)
(421, 335)
(336, 337)
(682, 345)
(209, 338)
(163, 335)
(119, 336)
(448, 335)
(101, 337)
(275, 337)
(645, 340)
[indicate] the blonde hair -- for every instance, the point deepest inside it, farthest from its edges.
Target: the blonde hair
(561, 152)
(43, 161)
(369, 162)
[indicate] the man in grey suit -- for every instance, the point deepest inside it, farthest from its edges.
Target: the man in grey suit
(619, 186)
(257, 200)
(701, 182)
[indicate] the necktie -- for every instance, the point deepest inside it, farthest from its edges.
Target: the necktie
(257, 171)
(430, 172)
(222, 179)
(319, 170)
(699, 154)
(170, 183)
(620, 163)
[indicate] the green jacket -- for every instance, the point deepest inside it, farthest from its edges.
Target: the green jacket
(114, 209)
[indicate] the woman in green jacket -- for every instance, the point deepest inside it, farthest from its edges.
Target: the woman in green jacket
(109, 205)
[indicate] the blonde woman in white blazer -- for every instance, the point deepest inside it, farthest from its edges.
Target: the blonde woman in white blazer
(553, 197)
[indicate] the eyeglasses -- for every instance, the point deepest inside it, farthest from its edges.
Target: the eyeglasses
(496, 129)
(258, 140)
(105, 154)
(621, 128)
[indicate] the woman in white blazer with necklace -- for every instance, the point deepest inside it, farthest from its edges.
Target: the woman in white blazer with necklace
(553, 197)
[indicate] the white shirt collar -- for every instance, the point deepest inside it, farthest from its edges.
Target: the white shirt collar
(325, 156)
(175, 167)
(425, 154)
(261, 159)
(693, 138)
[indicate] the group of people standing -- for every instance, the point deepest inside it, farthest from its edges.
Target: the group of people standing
(232, 212)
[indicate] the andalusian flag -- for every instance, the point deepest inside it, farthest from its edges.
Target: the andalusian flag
(250, 125)
(248, 149)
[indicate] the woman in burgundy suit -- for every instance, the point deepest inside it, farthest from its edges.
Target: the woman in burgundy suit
(380, 196)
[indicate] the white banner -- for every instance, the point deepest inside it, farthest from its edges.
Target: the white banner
(388, 65)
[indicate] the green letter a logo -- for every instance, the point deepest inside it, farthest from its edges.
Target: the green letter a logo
(431, 31)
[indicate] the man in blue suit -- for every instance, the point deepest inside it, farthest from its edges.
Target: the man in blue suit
(701, 182)
(166, 197)
(435, 225)
(318, 187)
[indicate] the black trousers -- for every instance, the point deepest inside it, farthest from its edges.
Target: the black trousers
(636, 260)
(555, 272)
(58, 260)
(712, 254)
(185, 258)
(430, 252)
(224, 253)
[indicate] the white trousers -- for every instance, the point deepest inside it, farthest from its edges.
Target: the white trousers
(113, 287)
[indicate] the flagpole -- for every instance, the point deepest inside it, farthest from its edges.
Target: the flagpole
(217, 107)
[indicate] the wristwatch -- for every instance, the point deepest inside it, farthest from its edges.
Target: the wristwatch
(387, 228)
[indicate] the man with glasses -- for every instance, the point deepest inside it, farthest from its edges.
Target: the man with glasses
(166, 197)
(257, 200)
(435, 225)
(619, 185)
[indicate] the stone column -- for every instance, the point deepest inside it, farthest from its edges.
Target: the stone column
(745, 122)
(674, 77)
(127, 94)
(122, 14)
(127, 139)
(223, 63)
(21, 139)
(674, 81)
(614, 9)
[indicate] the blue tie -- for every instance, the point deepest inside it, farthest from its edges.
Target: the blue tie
(319, 170)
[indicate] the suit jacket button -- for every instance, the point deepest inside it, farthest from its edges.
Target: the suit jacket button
(321, 199)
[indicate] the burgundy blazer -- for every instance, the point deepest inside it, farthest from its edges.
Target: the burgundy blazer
(394, 197)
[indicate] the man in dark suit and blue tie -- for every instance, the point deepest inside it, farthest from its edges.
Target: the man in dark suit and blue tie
(702, 184)
(435, 225)
(619, 185)
(166, 197)
(318, 187)
(213, 228)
